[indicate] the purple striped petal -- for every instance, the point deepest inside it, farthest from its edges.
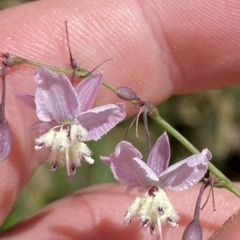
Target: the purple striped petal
(105, 159)
(158, 159)
(186, 173)
(128, 168)
(42, 127)
(87, 90)
(55, 96)
(98, 121)
(27, 99)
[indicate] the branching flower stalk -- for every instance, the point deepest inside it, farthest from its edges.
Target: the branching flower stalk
(12, 60)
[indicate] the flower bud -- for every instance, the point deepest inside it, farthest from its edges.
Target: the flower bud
(193, 231)
(126, 93)
(11, 59)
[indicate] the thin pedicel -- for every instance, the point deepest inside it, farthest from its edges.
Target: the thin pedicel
(144, 107)
(75, 64)
(194, 229)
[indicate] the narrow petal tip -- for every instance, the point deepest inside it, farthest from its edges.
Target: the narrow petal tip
(207, 154)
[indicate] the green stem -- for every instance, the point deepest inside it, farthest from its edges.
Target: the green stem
(109, 86)
(81, 73)
(225, 182)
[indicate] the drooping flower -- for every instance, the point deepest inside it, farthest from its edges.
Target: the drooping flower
(66, 117)
(150, 178)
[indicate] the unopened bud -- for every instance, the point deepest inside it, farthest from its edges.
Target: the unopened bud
(193, 231)
(127, 94)
(5, 140)
(11, 59)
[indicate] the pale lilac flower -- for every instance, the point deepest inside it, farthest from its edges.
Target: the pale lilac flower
(66, 117)
(151, 177)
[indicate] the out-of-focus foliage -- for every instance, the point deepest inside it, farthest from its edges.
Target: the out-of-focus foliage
(210, 119)
(11, 3)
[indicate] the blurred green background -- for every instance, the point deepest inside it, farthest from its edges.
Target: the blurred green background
(210, 119)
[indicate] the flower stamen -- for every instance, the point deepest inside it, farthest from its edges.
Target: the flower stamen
(153, 209)
(66, 146)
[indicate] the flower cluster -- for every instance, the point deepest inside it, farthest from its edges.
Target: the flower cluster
(67, 121)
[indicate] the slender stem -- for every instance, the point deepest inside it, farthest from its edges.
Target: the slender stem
(198, 203)
(2, 105)
(81, 73)
(109, 86)
(226, 182)
(176, 134)
(145, 121)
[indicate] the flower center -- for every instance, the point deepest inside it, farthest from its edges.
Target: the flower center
(66, 146)
(152, 209)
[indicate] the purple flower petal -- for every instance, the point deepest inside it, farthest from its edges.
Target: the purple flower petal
(55, 97)
(88, 89)
(158, 159)
(186, 173)
(106, 160)
(42, 127)
(128, 168)
(5, 140)
(98, 121)
(27, 99)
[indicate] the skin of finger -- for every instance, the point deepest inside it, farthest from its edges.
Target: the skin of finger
(149, 46)
(97, 213)
(230, 229)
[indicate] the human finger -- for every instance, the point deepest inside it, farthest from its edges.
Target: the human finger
(155, 54)
(97, 213)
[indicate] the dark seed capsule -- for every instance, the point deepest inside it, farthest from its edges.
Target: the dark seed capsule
(126, 93)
